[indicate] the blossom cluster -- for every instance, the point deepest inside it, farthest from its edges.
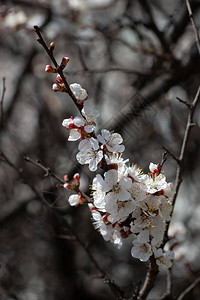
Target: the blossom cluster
(125, 202)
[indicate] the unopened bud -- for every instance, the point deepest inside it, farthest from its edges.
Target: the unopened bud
(64, 62)
(58, 88)
(52, 46)
(76, 177)
(66, 178)
(50, 69)
(68, 186)
(59, 79)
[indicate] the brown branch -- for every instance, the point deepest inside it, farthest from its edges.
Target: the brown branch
(1, 101)
(184, 102)
(150, 279)
(171, 154)
(188, 289)
(181, 158)
(162, 161)
(167, 294)
(48, 171)
(115, 289)
(193, 25)
(59, 70)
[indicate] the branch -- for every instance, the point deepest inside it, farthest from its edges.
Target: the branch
(188, 289)
(46, 169)
(115, 289)
(162, 161)
(181, 158)
(59, 70)
(2, 99)
(150, 279)
(193, 25)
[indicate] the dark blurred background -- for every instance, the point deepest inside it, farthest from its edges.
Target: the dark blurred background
(134, 58)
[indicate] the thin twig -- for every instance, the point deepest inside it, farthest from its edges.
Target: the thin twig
(171, 154)
(188, 289)
(189, 126)
(169, 285)
(59, 70)
(184, 102)
(164, 158)
(116, 290)
(150, 279)
(2, 99)
(193, 25)
(180, 159)
(48, 171)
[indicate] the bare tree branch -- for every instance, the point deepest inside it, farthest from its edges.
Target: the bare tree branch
(188, 289)
(115, 289)
(59, 70)
(193, 25)
(150, 279)
(1, 101)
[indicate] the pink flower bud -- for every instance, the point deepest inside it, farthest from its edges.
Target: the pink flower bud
(68, 186)
(76, 177)
(50, 69)
(58, 88)
(59, 79)
(66, 178)
(65, 61)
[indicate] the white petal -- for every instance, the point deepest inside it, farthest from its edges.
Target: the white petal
(94, 143)
(111, 178)
(84, 145)
(66, 122)
(79, 121)
(89, 128)
(73, 200)
(74, 135)
(93, 165)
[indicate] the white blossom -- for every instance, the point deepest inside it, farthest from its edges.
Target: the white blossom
(164, 258)
(141, 250)
(118, 187)
(156, 184)
(74, 125)
(153, 167)
(89, 153)
(112, 141)
(78, 91)
(91, 116)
